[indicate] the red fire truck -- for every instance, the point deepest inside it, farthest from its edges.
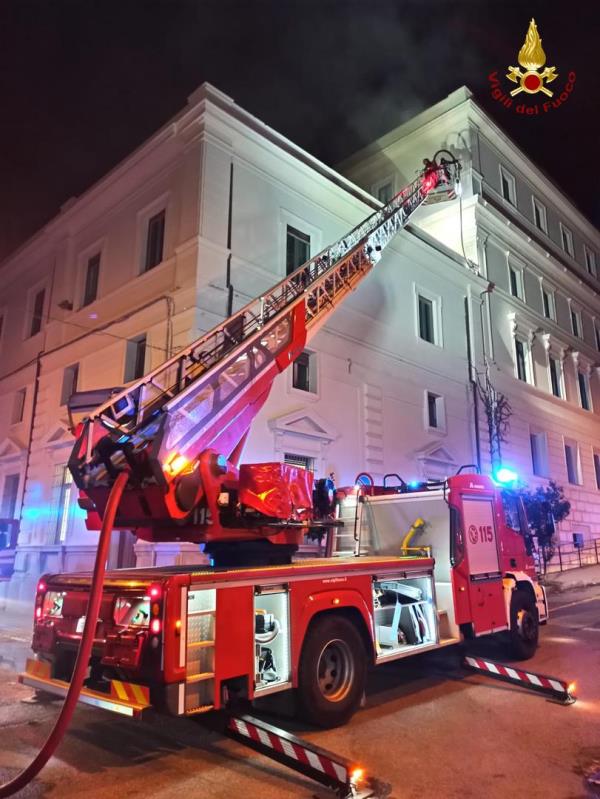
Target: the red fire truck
(426, 565)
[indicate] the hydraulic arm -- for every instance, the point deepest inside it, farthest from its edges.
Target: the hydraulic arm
(179, 431)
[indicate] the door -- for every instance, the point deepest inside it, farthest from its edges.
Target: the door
(486, 593)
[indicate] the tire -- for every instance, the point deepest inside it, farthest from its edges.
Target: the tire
(524, 625)
(332, 672)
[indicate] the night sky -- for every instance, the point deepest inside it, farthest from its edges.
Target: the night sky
(83, 83)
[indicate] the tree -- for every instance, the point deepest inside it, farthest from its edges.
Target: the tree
(545, 506)
(497, 412)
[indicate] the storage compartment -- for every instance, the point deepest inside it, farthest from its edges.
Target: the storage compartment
(200, 650)
(405, 614)
(271, 637)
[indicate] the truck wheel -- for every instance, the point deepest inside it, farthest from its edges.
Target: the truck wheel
(524, 625)
(332, 672)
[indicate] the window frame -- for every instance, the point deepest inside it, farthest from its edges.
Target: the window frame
(583, 376)
(589, 257)
(143, 216)
(381, 184)
(526, 360)
(135, 340)
(6, 477)
(146, 265)
(519, 272)
(299, 235)
(596, 462)
(440, 412)
(435, 301)
(544, 471)
(573, 445)
(313, 373)
(551, 294)
(291, 458)
(65, 506)
(97, 256)
(578, 319)
(17, 418)
(560, 376)
(539, 206)
(34, 291)
(75, 370)
(567, 234)
(512, 186)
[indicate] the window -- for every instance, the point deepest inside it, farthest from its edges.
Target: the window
(426, 326)
(590, 260)
(597, 468)
(576, 323)
(384, 191)
(507, 186)
(584, 392)
(155, 239)
(297, 249)
(510, 504)
(516, 282)
(135, 358)
(90, 291)
(304, 461)
(539, 453)
(1, 326)
(567, 239)
(18, 406)
(555, 369)
(597, 332)
(549, 304)
(9, 496)
(539, 215)
(435, 411)
(37, 312)
(304, 370)
(69, 383)
(63, 484)
(522, 359)
(572, 462)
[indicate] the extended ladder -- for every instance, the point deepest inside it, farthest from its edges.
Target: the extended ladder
(200, 385)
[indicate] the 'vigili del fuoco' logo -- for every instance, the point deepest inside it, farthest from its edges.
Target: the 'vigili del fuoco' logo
(532, 78)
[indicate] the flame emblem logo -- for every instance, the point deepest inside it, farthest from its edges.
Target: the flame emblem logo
(532, 58)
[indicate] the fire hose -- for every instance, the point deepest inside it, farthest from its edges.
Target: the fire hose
(85, 647)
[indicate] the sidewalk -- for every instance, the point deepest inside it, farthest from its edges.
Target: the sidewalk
(557, 582)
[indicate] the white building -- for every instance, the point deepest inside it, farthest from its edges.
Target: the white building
(206, 215)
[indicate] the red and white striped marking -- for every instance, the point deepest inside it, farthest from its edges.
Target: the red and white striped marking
(292, 750)
(527, 677)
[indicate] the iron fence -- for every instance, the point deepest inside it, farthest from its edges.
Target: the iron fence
(568, 556)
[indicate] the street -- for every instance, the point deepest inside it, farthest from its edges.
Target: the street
(428, 728)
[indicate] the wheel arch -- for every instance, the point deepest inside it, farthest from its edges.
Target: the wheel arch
(353, 615)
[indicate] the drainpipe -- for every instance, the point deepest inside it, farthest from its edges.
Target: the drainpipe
(36, 388)
(473, 385)
(228, 282)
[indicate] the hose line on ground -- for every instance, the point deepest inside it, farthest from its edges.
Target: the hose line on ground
(85, 647)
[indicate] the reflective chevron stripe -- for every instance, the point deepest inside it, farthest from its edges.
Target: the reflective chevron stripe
(526, 678)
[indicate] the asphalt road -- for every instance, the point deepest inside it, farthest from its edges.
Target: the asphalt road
(428, 728)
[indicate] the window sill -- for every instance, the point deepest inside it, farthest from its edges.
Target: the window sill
(308, 396)
(436, 431)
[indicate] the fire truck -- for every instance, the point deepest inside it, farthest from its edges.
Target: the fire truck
(409, 568)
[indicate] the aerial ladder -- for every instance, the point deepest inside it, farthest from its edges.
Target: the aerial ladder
(179, 430)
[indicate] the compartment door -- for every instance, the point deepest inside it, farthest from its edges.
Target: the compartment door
(486, 593)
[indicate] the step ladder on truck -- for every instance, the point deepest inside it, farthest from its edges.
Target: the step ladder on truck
(189, 640)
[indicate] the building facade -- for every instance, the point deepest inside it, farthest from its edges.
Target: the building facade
(214, 209)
